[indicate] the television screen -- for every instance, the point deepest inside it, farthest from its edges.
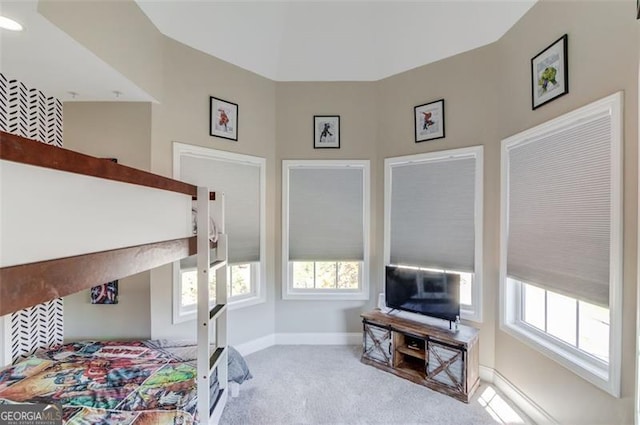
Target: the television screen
(425, 292)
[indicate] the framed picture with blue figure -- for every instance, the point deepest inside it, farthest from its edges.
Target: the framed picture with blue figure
(550, 73)
(105, 294)
(326, 131)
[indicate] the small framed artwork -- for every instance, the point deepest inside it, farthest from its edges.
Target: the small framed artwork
(637, 9)
(105, 294)
(429, 121)
(223, 119)
(550, 73)
(326, 131)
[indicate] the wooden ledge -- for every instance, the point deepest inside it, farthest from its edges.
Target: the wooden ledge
(27, 285)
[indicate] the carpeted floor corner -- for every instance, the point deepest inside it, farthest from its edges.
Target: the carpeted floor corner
(328, 385)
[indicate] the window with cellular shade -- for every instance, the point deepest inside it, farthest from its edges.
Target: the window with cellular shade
(559, 208)
(432, 213)
(325, 212)
(240, 182)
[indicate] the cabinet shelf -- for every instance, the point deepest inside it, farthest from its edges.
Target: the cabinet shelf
(419, 354)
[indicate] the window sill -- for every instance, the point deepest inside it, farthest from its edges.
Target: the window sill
(326, 296)
(246, 302)
(233, 305)
(598, 374)
(471, 315)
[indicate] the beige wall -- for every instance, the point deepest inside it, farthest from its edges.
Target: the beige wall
(110, 130)
(603, 59)
(183, 116)
(296, 104)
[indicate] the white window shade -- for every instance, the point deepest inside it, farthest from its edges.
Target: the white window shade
(240, 182)
(326, 211)
(432, 216)
(559, 209)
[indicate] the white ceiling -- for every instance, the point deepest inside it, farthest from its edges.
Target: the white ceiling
(333, 40)
(44, 57)
(295, 40)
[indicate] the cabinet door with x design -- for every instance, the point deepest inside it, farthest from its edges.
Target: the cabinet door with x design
(446, 365)
(377, 343)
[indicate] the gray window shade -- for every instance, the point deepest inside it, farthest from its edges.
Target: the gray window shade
(240, 183)
(559, 210)
(432, 214)
(326, 214)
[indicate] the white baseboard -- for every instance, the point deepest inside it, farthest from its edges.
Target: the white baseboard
(317, 338)
(520, 399)
(333, 338)
(487, 374)
(256, 344)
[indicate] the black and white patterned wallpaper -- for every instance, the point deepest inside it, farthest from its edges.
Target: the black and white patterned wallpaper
(28, 112)
(36, 327)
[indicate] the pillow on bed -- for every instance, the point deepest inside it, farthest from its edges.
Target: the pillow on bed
(238, 369)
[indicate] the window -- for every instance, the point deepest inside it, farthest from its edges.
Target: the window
(561, 248)
(581, 326)
(325, 229)
(241, 178)
(326, 274)
(433, 217)
(240, 284)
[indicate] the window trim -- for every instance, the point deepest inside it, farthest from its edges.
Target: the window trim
(288, 292)
(608, 378)
(188, 312)
(260, 294)
(475, 311)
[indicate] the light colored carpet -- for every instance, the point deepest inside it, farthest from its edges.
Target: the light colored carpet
(328, 385)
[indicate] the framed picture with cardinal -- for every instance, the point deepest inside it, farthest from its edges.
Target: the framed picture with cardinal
(223, 119)
(429, 121)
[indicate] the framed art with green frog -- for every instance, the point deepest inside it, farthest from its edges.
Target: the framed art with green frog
(550, 73)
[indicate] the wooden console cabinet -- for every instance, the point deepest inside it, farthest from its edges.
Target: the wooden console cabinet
(436, 357)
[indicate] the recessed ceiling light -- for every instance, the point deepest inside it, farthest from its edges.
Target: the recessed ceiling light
(9, 24)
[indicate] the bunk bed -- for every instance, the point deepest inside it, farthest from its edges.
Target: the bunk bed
(49, 255)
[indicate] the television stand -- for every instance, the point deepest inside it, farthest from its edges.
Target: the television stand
(436, 357)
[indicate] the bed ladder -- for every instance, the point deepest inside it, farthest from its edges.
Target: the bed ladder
(211, 321)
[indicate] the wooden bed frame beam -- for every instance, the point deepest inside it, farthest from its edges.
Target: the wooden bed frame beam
(26, 151)
(27, 285)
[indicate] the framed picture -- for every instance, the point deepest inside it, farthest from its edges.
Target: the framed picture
(429, 121)
(105, 294)
(223, 121)
(637, 9)
(550, 73)
(326, 131)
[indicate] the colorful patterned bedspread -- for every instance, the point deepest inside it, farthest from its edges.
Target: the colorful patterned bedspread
(130, 383)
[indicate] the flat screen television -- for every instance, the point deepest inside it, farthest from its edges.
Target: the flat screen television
(425, 292)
